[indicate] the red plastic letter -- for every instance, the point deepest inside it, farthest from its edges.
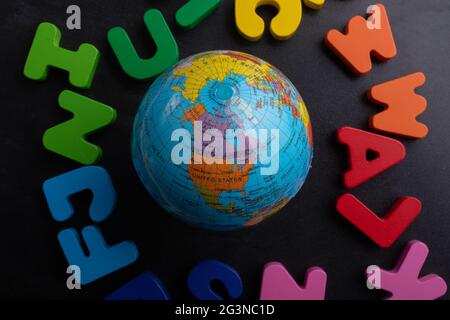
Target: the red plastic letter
(389, 152)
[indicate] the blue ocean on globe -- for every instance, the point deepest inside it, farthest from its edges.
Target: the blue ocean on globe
(222, 140)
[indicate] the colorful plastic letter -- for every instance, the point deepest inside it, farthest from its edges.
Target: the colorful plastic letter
(383, 231)
(278, 284)
(58, 191)
(68, 138)
(147, 286)
(359, 142)
(200, 277)
(45, 52)
(166, 53)
(403, 281)
(194, 12)
(102, 259)
(402, 106)
(360, 41)
(282, 26)
(314, 4)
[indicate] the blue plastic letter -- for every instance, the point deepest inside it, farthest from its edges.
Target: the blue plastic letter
(102, 259)
(199, 280)
(147, 286)
(59, 189)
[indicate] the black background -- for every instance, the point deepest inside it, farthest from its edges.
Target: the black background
(308, 232)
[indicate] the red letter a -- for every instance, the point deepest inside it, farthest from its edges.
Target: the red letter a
(388, 153)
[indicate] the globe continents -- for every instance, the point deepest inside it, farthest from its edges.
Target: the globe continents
(222, 140)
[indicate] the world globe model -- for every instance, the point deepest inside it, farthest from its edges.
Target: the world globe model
(222, 140)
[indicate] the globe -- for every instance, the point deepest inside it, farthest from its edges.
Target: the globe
(222, 140)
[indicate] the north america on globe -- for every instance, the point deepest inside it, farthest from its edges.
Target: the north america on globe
(222, 140)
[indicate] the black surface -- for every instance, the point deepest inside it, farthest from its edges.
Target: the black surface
(308, 232)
